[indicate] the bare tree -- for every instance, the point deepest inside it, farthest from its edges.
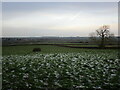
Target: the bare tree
(102, 35)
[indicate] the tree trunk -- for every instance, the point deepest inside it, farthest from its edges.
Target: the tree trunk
(102, 41)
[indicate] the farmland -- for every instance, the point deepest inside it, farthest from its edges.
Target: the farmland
(22, 50)
(59, 67)
(27, 49)
(59, 46)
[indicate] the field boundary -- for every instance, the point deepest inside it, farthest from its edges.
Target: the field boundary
(67, 45)
(88, 47)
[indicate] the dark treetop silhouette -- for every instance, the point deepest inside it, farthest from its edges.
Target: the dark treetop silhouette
(102, 35)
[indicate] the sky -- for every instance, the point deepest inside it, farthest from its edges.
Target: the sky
(64, 19)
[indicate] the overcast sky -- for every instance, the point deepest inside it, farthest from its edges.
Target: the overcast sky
(58, 19)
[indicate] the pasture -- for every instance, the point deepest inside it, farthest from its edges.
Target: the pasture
(27, 49)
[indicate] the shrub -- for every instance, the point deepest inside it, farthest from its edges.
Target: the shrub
(36, 50)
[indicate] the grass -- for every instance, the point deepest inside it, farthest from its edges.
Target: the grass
(83, 45)
(0, 50)
(27, 49)
(80, 45)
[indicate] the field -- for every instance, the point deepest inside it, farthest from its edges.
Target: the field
(27, 49)
(60, 67)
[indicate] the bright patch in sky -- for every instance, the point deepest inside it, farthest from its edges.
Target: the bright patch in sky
(58, 19)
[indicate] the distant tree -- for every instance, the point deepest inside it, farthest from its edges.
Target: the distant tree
(102, 35)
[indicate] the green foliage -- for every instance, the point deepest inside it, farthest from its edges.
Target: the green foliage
(96, 69)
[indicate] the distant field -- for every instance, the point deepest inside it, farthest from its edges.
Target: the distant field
(78, 45)
(27, 49)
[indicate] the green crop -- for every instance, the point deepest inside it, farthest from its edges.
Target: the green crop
(87, 69)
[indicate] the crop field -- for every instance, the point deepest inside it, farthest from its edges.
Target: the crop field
(60, 67)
